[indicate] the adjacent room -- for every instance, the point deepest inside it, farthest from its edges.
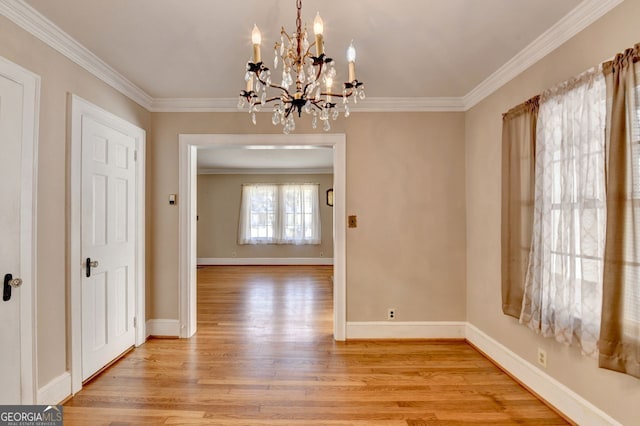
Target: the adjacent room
(312, 212)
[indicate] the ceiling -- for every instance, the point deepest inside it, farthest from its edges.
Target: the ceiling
(408, 49)
(265, 159)
(413, 55)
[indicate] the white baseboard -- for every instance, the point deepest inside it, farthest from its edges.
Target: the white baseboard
(406, 330)
(265, 261)
(163, 328)
(555, 393)
(56, 391)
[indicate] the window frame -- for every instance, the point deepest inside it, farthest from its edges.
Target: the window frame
(283, 221)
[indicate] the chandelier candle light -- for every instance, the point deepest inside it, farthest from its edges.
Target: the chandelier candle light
(305, 93)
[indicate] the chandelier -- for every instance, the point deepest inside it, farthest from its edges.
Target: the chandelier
(307, 79)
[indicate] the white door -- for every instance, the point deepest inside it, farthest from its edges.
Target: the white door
(10, 152)
(18, 106)
(108, 241)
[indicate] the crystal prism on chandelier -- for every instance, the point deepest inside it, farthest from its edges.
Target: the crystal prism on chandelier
(307, 79)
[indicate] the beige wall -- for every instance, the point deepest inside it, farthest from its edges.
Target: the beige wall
(219, 208)
(405, 181)
(409, 178)
(615, 393)
(59, 77)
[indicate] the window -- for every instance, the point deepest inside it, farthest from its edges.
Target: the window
(279, 214)
(563, 288)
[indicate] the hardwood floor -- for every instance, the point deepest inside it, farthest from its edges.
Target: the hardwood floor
(264, 354)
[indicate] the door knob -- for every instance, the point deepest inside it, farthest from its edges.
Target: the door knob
(91, 264)
(9, 283)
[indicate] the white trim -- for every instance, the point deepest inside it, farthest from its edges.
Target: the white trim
(56, 391)
(81, 108)
(424, 104)
(406, 330)
(194, 105)
(141, 254)
(265, 261)
(32, 21)
(583, 15)
(187, 185)
(555, 393)
(579, 18)
(30, 83)
(430, 104)
(220, 171)
(163, 328)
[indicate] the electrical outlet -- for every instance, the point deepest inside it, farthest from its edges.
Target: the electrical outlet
(542, 357)
(321, 254)
(234, 254)
(391, 314)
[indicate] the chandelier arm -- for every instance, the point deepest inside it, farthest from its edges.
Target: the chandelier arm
(284, 32)
(288, 111)
(308, 53)
(337, 95)
(273, 86)
(304, 91)
(319, 70)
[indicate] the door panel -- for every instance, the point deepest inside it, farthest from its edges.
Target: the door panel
(108, 209)
(10, 194)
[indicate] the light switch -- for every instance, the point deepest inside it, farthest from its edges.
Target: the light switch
(353, 221)
(172, 199)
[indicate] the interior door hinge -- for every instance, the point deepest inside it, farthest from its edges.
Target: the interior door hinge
(135, 155)
(135, 322)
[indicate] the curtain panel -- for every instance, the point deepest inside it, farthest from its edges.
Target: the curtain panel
(620, 329)
(563, 286)
(518, 162)
(258, 210)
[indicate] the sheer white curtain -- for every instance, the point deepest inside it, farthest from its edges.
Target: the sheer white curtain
(299, 219)
(258, 209)
(279, 214)
(563, 286)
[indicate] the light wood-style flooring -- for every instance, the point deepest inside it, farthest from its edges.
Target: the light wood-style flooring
(264, 354)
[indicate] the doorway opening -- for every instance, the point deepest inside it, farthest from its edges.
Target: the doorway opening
(188, 147)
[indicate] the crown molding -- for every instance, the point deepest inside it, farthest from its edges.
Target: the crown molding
(369, 105)
(194, 105)
(42, 28)
(256, 171)
(571, 24)
(442, 104)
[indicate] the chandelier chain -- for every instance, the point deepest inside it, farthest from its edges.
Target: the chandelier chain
(300, 59)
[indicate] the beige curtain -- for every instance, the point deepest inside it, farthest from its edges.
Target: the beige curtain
(518, 161)
(620, 329)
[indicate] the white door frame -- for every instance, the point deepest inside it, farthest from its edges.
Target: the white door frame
(30, 83)
(81, 108)
(188, 145)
